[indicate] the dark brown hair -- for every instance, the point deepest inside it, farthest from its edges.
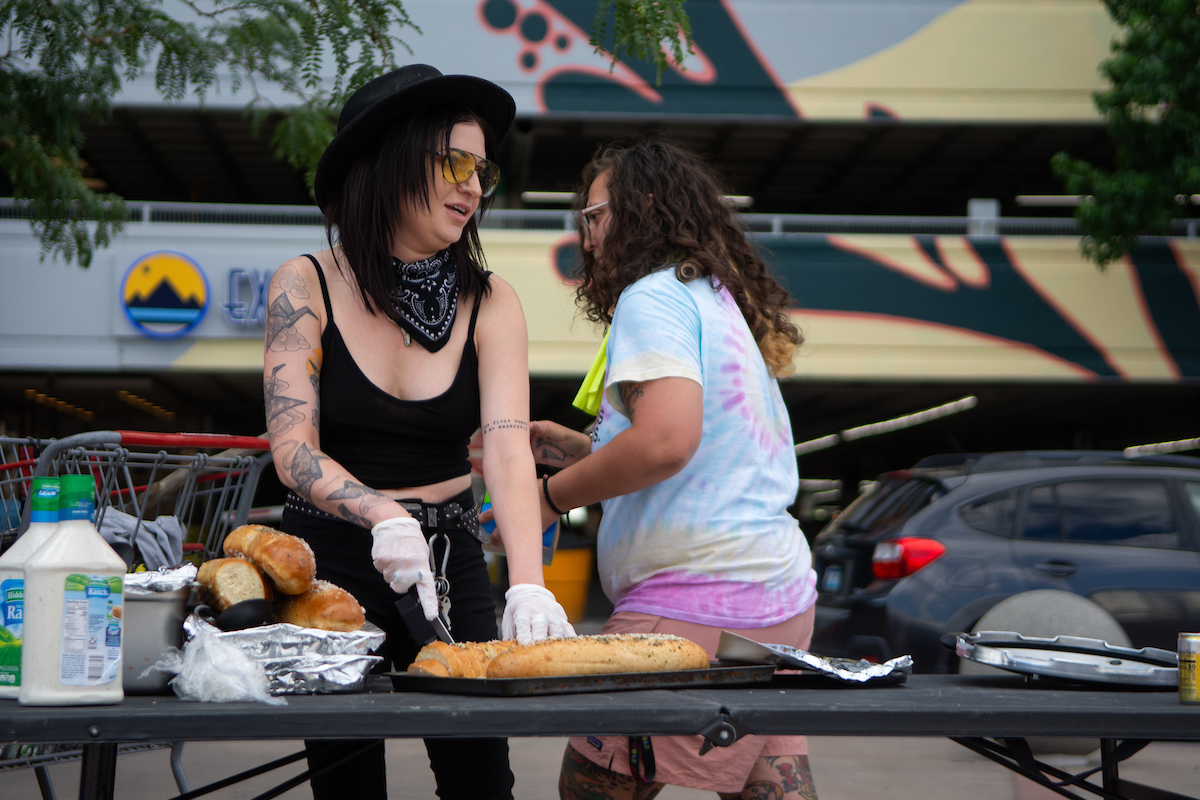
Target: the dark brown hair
(391, 173)
(667, 207)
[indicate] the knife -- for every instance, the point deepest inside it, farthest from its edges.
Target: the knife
(423, 631)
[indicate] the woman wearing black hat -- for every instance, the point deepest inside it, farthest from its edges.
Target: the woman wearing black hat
(383, 355)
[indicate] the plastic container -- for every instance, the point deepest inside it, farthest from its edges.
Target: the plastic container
(74, 609)
(568, 579)
(43, 521)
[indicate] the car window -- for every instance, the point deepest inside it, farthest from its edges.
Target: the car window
(1041, 515)
(992, 514)
(1135, 513)
(1193, 493)
(889, 501)
(896, 506)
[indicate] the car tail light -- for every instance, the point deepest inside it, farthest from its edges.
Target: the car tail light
(902, 557)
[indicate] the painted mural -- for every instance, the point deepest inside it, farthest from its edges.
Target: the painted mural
(1016, 308)
(816, 59)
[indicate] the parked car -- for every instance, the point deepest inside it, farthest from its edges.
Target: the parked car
(928, 551)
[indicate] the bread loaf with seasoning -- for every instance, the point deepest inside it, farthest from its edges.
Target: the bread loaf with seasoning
(599, 655)
(581, 655)
(286, 560)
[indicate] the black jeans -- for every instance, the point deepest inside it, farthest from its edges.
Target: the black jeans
(464, 768)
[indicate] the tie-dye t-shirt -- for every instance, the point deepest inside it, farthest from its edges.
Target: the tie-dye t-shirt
(713, 544)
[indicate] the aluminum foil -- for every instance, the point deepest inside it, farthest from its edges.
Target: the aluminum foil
(163, 579)
(303, 660)
(733, 647)
(314, 674)
(858, 671)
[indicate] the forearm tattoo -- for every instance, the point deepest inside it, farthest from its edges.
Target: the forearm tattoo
(364, 499)
(501, 424)
(630, 393)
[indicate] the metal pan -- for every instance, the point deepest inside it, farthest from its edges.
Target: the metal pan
(717, 675)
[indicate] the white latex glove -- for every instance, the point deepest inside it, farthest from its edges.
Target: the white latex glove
(401, 554)
(531, 613)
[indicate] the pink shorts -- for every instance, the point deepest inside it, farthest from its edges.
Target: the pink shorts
(677, 759)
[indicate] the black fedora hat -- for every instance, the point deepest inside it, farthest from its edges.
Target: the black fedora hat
(390, 98)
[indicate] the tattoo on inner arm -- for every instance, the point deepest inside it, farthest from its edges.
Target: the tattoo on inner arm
(501, 424)
(631, 392)
(282, 415)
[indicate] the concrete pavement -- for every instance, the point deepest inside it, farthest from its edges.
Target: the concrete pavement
(845, 768)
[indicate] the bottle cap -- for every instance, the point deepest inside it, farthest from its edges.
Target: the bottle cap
(77, 500)
(45, 495)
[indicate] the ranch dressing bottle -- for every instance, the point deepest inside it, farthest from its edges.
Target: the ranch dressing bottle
(74, 592)
(43, 520)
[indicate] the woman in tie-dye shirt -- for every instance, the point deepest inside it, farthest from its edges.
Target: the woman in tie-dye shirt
(691, 453)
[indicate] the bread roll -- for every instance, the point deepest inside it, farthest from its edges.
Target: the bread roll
(225, 581)
(323, 606)
(286, 560)
(597, 655)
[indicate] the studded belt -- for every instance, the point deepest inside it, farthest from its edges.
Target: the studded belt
(456, 514)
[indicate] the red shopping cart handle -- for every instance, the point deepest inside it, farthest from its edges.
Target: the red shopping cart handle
(149, 439)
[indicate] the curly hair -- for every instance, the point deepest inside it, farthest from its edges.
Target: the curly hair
(666, 207)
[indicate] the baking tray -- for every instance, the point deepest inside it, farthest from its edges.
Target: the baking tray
(719, 674)
(1070, 658)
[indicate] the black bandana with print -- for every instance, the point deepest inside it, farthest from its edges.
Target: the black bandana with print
(425, 299)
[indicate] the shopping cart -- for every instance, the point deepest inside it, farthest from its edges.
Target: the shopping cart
(145, 475)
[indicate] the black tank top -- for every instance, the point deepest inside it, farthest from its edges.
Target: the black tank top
(387, 442)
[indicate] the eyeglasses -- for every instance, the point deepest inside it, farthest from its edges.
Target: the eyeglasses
(587, 216)
(458, 166)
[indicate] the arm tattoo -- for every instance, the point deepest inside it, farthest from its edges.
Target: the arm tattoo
(500, 424)
(313, 366)
(306, 469)
(282, 335)
(282, 415)
(350, 490)
(367, 497)
(350, 516)
(630, 393)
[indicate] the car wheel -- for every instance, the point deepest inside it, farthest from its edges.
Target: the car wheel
(1049, 613)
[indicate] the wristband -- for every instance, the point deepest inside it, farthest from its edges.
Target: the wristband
(549, 502)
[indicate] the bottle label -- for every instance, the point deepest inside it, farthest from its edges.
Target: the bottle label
(91, 630)
(12, 607)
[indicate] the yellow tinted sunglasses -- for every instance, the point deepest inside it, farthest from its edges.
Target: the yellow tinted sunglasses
(458, 166)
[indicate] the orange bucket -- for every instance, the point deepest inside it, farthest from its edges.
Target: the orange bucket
(567, 579)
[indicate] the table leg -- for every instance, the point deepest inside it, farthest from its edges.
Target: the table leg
(1109, 777)
(98, 776)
